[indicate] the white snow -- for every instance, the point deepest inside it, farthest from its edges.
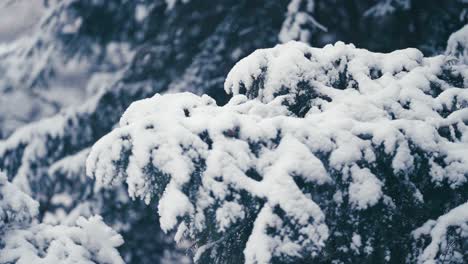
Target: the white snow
(258, 144)
(44, 74)
(16, 208)
(366, 189)
(438, 232)
(297, 20)
(356, 242)
(90, 241)
(457, 44)
(171, 143)
(23, 240)
(405, 77)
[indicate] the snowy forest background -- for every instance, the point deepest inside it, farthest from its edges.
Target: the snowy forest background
(246, 131)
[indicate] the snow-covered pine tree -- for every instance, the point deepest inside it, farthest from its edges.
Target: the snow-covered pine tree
(48, 70)
(333, 155)
(457, 45)
(46, 158)
(35, 147)
(80, 40)
(23, 240)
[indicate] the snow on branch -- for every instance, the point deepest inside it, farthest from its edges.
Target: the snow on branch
(22, 240)
(300, 23)
(440, 234)
(457, 45)
(318, 154)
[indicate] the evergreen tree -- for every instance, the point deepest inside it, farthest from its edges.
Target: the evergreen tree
(332, 155)
(23, 240)
(88, 60)
(32, 155)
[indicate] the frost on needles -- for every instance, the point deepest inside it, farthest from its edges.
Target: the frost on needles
(332, 155)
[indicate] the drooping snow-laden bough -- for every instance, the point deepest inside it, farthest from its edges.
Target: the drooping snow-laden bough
(46, 159)
(331, 155)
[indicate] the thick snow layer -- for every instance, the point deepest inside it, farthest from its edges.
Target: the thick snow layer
(385, 96)
(457, 45)
(339, 117)
(171, 143)
(16, 208)
(457, 217)
(22, 240)
(90, 241)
